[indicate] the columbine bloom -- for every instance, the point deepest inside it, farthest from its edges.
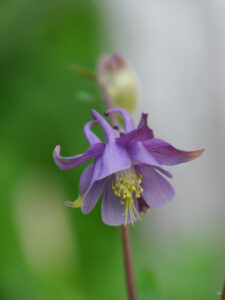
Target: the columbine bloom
(126, 169)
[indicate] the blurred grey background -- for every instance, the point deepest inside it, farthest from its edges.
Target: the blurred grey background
(178, 51)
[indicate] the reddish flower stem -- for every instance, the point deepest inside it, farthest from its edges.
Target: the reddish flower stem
(109, 104)
(128, 263)
(223, 293)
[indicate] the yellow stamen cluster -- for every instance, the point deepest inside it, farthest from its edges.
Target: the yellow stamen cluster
(126, 184)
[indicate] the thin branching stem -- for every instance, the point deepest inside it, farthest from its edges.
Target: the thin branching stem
(223, 293)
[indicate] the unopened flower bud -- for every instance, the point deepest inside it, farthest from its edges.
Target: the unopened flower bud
(117, 77)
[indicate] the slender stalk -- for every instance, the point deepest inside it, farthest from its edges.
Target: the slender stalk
(109, 103)
(223, 293)
(131, 290)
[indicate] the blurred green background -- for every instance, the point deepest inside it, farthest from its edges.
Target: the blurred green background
(47, 250)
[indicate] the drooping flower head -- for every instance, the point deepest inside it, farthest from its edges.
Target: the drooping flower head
(127, 169)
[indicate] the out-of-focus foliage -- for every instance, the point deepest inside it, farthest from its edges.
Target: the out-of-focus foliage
(49, 251)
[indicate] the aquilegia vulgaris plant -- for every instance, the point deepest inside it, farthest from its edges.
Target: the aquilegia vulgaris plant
(128, 167)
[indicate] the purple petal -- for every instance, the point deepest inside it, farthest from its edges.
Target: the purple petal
(156, 189)
(142, 205)
(112, 209)
(90, 136)
(163, 171)
(66, 163)
(114, 159)
(108, 130)
(85, 179)
(142, 133)
(138, 152)
(144, 121)
(166, 154)
(129, 123)
(92, 196)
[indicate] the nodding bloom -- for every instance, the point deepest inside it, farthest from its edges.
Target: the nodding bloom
(127, 169)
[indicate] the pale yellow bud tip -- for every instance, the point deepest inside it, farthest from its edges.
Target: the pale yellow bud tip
(120, 81)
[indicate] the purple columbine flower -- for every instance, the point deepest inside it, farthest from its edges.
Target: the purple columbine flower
(126, 169)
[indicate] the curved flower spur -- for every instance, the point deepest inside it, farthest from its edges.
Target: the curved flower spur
(126, 169)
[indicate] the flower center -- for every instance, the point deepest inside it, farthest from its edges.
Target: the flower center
(126, 185)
